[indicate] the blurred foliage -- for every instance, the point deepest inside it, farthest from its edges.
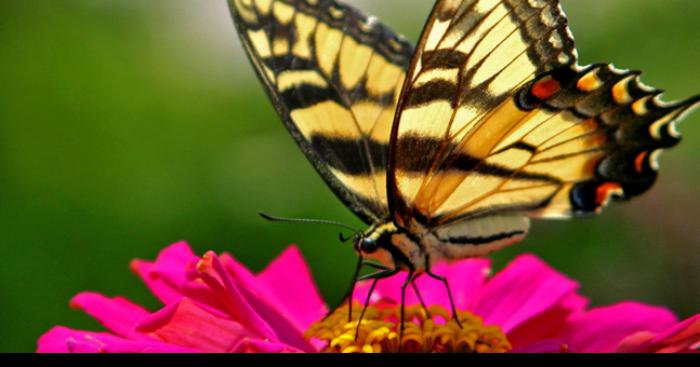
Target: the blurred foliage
(126, 125)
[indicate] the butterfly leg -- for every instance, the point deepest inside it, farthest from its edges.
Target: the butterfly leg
(352, 286)
(348, 293)
(420, 298)
(449, 294)
(376, 277)
(409, 280)
(351, 291)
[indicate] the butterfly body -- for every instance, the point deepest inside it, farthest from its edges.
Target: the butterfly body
(418, 248)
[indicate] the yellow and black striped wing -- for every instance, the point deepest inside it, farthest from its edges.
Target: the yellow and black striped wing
(334, 76)
(497, 119)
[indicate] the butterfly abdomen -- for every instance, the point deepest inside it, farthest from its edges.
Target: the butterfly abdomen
(418, 248)
(476, 237)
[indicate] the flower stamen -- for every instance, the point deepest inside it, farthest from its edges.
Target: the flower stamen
(432, 331)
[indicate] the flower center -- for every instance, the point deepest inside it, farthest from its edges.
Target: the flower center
(378, 332)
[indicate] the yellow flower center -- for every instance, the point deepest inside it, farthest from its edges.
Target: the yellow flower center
(379, 332)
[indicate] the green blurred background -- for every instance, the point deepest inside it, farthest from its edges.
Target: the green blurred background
(126, 125)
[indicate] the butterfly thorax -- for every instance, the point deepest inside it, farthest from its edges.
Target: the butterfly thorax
(393, 247)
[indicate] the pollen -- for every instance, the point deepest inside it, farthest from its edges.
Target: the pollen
(424, 332)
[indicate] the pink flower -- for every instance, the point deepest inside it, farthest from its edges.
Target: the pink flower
(212, 304)
(215, 304)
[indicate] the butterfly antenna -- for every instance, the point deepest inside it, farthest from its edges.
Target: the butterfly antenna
(308, 221)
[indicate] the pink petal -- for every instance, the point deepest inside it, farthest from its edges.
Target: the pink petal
(63, 340)
(249, 307)
(526, 288)
(681, 337)
(173, 276)
(239, 275)
(187, 325)
(544, 346)
(635, 343)
(146, 347)
(262, 346)
(58, 340)
(466, 279)
(230, 296)
(387, 289)
(285, 328)
(548, 324)
(168, 274)
(245, 279)
(602, 329)
(116, 314)
(290, 282)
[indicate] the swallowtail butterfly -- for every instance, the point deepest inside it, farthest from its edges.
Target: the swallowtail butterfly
(448, 149)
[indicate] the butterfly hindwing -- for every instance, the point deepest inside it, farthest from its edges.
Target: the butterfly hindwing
(616, 127)
(334, 76)
(497, 121)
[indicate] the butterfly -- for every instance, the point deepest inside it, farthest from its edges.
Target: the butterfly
(448, 149)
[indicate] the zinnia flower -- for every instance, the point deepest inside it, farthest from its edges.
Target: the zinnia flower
(215, 304)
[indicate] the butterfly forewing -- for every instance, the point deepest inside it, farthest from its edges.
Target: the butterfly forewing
(496, 119)
(334, 76)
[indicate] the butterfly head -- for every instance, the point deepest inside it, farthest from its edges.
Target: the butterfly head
(389, 245)
(375, 243)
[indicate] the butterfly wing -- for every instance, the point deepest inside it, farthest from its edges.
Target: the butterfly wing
(497, 123)
(334, 76)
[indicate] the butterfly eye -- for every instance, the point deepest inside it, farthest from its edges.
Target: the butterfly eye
(368, 246)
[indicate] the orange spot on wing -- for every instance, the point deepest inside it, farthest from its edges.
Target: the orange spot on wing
(620, 94)
(604, 192)
(589, 125)
(589, 83)
(639, 162)
(546, 88)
